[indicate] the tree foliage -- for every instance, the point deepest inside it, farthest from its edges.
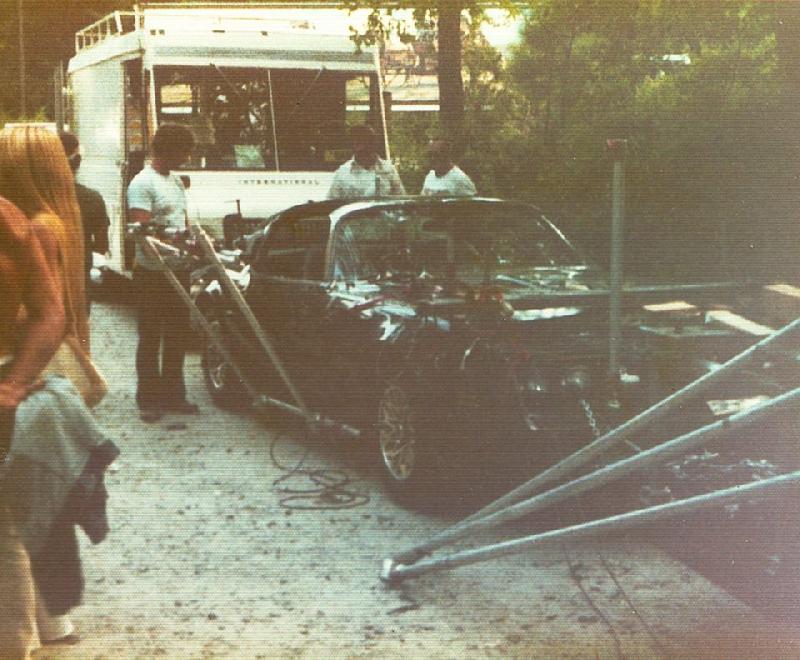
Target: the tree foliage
(700, 92)
(706, 94)
(49, 35)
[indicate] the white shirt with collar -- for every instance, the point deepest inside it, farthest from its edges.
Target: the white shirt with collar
(456, 183)
(353, 180)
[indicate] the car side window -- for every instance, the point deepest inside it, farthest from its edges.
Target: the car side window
(294, 248)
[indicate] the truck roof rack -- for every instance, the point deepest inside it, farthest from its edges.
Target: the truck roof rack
(124, 22)
(116, 23)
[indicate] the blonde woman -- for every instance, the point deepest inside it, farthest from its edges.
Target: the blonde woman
(26, 346)
(35, 176)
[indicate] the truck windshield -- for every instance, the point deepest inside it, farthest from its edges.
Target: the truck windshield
(260, 119)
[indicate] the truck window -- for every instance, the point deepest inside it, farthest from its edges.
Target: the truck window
(256, 119)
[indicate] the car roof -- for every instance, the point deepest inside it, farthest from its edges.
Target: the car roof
(337, 208)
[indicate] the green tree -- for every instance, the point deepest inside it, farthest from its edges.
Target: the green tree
(447, 18)
(49, 37)
(693, 87)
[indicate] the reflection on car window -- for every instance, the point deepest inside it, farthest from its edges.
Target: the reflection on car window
(294, 248)
(472, 240)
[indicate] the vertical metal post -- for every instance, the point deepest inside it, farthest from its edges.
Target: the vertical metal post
(617, 148)
(58, 96)
(272, 119)
(23, 82)
(381, 99)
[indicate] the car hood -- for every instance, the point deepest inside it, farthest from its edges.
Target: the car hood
(537, 294)
(570, 280)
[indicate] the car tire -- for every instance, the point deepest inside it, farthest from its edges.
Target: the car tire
(226, 389)
(413, 449)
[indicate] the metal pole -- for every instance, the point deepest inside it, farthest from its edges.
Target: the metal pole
(382, 105)
(638, 422)
(241, 303)
(604, 475)
(149, 245)
(23, 83)
(393, 572)
(272, 120)
(58, 96)
(617, 148)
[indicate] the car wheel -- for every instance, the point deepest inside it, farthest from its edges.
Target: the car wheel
(224, 386)
(411, 464)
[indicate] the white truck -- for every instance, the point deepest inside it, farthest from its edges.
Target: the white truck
(265, 90)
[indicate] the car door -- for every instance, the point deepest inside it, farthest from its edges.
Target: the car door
(288, 296)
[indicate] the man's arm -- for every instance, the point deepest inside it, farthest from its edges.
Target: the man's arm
(140, 202)
(140, 216)
(466, 186)
(45, 325)
(336, 190)
(396, 187)
(95, 218)
(425, 190)
(100, 231)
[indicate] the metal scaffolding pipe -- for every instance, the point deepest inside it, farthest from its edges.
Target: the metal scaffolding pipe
(394, 572)
(315, 420)
(149, 245)
(637, 423)
(255, 326)
(617, 148)
(604, 475)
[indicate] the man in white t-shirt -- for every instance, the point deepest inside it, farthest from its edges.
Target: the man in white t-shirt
(446, 178)
(157, 196)
(365, 174)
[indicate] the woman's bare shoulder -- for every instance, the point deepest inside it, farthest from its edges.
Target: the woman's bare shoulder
(14, 226)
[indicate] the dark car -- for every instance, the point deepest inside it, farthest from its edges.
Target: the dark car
(458, 335)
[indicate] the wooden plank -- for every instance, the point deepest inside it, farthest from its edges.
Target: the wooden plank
(780, 303)
(738, 322)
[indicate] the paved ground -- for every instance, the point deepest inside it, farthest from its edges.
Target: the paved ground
(205, 562)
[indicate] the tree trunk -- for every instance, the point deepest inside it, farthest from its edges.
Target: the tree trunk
(451, 87)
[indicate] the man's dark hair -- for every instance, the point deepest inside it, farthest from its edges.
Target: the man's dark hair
(172, 140)
(70, 145)
(69, 142)
(363, 132)
(447, 144)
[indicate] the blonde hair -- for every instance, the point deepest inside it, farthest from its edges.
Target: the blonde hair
(35, 175)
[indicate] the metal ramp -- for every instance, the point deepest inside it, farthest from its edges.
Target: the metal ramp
(539, 493)
(315, 421)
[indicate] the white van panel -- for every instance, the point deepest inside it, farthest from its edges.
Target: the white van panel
(97, 120)
(214, 194)
(287, 51)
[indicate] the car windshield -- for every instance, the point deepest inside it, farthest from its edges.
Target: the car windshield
(471, 241)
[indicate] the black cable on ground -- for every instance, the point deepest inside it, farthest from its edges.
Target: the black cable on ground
(607, 567)
(578, 580)
(323, 488)
(659, 645)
